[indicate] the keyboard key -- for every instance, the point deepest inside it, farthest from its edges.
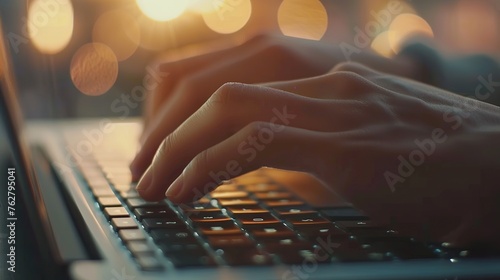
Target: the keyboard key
(236, 202)
(139, 247)
(166, 223)
(125, 187)
(131, 234)
(278, 231)
(148, 262)
(209, 216)
(173, 236)
(98, 192)
(160, 212)
(283, 202)
(263, 187)
(304, 219)
(197, 207)
(226, 188)
(183, 255)
(123, 223)
(169, 248)
(217, 229)
(230, 241)
(108, 201)
(313, 231)
(113, 212)
(274, 195)
(252, 180)
(364, 224)
(284, 243)
(133, 203)
(284, 210)
(247, 257)
(257, 219)
(187, 259)
(252, 209)
(129, 194)
(344, 214)
(232, 194)
(97, 183)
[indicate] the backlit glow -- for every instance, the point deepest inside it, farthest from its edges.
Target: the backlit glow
(50, 24)
(303, 19)
(202, 6)
(381, 44)
(94, 69)
(119, 31)
(162, 10)
(228, 16)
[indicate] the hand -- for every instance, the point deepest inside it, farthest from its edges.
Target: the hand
(192, 81)
(399, 150)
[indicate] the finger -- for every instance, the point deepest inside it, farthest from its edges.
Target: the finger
(231, 108)
(335, 85)
(227, 159)
(179, 69)
(398, 86)
(268, 63)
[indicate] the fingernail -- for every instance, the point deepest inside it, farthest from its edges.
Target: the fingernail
(175, 189)
(144, 182)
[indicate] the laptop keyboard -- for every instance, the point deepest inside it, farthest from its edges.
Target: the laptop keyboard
(252, 222)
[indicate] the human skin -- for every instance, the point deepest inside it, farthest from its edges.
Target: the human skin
(350, 128)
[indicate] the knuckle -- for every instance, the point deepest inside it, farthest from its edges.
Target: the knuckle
(252, 129)
(187, 84)
(348, 80)
(165, 146)
(226, 94)
(199, 162)
(350, 67)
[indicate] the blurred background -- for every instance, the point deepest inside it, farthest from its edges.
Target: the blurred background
(78, 58)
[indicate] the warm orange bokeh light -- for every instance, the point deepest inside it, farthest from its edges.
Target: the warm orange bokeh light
(228, 16)
(119, 31)
(202, 6)
(50, 25)
(162, 10)
(405, 26)
(303, 19)
(94, 69)
(381, 45)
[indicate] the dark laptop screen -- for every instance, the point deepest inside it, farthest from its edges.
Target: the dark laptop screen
(23, 233)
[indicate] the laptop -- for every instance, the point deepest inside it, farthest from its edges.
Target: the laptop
(69, 211)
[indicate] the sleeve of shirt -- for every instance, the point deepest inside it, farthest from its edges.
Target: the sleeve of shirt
(475, 76)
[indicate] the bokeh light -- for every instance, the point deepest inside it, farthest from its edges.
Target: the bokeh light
(119, 31)
(50, 25)
(405, 26)
(94, 69)
(305, 19)
(381, 45)
(228, 16)
(202, 6)
(475, 26)
(162, 10)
